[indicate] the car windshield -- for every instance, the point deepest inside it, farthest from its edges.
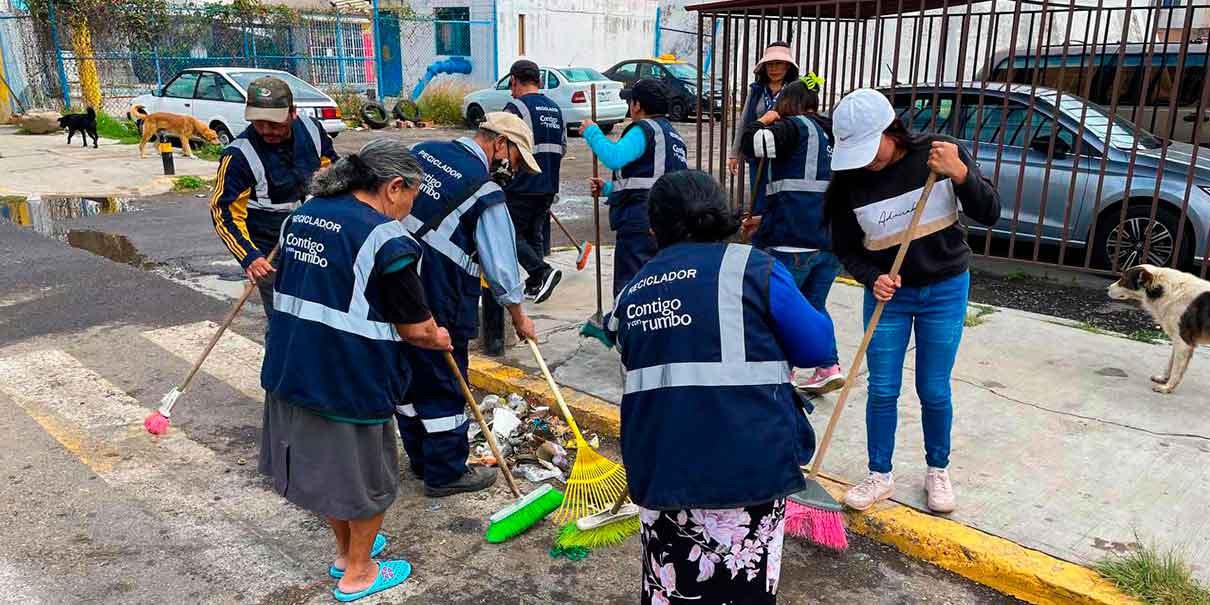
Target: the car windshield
(1123, 135)
(682, 71)
(581, 74)
(302, 91)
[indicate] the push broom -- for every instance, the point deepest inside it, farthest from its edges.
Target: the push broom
(812, 513)
(595, 482)
(157, 422)
(595, 326)
(605, 528)
(525, 511)
(584, 248)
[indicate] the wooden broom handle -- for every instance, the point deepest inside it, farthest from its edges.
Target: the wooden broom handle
(487, 430)
(554, 387)
(596, 204)
(239, 304)
(760, 169)
(855, 368)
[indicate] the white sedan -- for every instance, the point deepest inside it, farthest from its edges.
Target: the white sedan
(216, 95)
(568, 87)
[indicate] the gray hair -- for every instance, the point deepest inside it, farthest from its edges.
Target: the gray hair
(376, 163)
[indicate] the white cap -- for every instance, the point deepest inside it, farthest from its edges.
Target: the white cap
(857, 123)
(516, 130)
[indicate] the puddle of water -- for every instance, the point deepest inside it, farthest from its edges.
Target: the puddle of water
(113, 246)
(42, 213)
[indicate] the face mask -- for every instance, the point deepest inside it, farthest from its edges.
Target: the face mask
(501, 169)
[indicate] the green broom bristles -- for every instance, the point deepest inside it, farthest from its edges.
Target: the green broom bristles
(593, 329)
(523, 514)
(608, 534)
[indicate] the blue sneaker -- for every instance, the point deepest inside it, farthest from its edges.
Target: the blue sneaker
(380, 544)
(390, 575)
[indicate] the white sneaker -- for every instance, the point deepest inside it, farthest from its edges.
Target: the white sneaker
(876, 488)
(940, 491)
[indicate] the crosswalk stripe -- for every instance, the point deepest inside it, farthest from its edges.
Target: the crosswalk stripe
(235, 360)
(229, 514)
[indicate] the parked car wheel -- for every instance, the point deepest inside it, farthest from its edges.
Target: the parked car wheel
(474, 116)
(224, 135)
(1133, 235)
(677, 111)
(374, 115)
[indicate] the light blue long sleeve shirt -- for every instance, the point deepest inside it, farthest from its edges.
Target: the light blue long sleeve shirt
(616, 155)
(496, 243)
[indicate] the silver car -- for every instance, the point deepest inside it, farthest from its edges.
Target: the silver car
(1072, 191)
(568, 87)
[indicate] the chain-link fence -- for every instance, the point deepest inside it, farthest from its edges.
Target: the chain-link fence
(105, 61)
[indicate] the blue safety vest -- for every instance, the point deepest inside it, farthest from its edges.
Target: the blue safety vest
(550, 143)
(665, 152)
(709, 418)
(282, 179)
(455, 193)
(329, 348)
(793, 212)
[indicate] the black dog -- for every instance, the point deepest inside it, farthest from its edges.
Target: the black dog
(84, 123)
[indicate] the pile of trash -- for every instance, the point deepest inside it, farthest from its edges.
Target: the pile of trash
(534, 439)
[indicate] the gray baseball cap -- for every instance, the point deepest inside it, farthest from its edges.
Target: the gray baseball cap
(269, 99)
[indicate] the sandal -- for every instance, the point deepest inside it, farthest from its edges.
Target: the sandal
(380, 544)
(390, 575)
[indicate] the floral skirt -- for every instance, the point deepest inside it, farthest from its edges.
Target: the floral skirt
(713, 556)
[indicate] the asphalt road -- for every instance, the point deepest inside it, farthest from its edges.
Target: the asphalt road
(99, 512)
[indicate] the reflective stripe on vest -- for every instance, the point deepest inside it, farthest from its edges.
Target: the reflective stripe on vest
(432, 425)
(313, 132)
(733, 369)
(356, 319)
(258, 174)
(808, 182)
(657, 161)
(548, 148)
(439, 238)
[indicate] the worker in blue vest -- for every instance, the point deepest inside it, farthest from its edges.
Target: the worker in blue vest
(530, 196)
(346, 294)
(649, 148)
(463, 224)
(795, 143)
(707, 331)
(263, 176)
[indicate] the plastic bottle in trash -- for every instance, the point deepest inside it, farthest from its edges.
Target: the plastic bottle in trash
(518, 404)
(490, 402)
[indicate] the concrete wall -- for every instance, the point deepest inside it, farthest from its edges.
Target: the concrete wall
(592, 33)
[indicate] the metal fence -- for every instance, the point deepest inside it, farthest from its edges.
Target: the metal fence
(334, 51)
(1081, 113)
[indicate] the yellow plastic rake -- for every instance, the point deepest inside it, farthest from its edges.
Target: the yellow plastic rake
(596, 482)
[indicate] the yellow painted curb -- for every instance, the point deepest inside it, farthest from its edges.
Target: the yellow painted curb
(1001, 564)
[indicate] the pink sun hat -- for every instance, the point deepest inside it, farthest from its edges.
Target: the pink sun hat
(776, 52)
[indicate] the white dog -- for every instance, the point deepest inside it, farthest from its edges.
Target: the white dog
(1180, 303)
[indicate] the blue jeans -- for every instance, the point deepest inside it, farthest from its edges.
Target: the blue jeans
(937, 312)
(813, 273)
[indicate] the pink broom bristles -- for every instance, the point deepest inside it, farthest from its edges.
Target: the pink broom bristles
(823, 527)
(156, 423)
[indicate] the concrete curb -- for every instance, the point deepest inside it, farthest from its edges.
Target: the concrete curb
(1001, 564)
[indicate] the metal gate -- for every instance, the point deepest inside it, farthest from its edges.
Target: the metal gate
(1089, 117)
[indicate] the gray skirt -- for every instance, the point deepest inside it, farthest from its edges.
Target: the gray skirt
(334, 469)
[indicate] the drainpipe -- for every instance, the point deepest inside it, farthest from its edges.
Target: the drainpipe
(495, 41)
(656, 52)
(377, 54)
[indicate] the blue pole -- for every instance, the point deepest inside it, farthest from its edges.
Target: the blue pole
(377, 52)
(710, 57)
(54, 35)
(656, 52)
(495, 42)
(340, 52)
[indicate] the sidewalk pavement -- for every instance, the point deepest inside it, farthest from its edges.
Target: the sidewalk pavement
(1059, 443)
(46, 164)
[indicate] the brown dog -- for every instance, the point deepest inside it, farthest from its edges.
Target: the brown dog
(184, 127)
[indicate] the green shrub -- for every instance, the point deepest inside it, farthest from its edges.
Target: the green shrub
(350, 104)
(190, 183)
(208, 152)
(1158, 577)
(442, 103)
(121, 130)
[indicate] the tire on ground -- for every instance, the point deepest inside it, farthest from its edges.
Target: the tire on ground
(374, 115)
